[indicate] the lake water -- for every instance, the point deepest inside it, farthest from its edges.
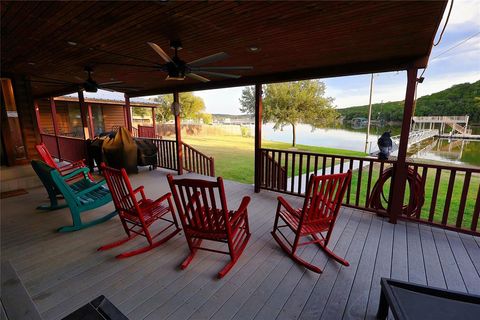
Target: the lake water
(451, 151)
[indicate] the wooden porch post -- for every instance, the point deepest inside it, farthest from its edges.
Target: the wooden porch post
(258, 135)
(178, 135)
(128, 113)
(400, 171)
(153, 123)
(53, 108)
(90, 121)
(83, 115)
(37, 116)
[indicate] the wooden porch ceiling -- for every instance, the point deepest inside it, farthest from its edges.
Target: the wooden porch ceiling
(296, 40)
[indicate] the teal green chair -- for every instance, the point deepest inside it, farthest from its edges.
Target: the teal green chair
(80, 196)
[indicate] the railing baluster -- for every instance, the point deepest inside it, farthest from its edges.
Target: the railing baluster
(448, 198)
(292, 185)
(341, 164)
(463, 199)
(300, 173)
(316, 165)
(476, 212)
(324, 164)
(424, 181)
(369, 181)
(278, 169)
(359, 182)
(350, 167)
(332, 166)
(434, 194)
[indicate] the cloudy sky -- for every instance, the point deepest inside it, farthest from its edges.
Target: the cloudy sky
(458, 65)
(455, 60)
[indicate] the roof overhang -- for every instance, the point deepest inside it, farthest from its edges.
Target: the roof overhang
(297, 40)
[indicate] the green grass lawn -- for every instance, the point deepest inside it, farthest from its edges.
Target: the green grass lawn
(234, 160)
(234, 155)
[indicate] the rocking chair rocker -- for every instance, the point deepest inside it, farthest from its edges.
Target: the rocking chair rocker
(316, 219)
(138, 215)
(203, 220)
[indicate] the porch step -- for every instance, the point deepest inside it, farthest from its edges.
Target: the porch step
(18, 177)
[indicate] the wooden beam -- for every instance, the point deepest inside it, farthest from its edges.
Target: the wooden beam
(178, 135)
(153, 122)
(53, 108)
(90, 121)
(294, 75)
(83, 115)
(128, 113)
(37, 116)
(258, 135)
(400, 170)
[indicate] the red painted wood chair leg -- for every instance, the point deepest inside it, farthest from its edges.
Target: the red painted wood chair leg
(329, 252)
(226, 269)
(147, 248)
(294, 257)
(190, 257)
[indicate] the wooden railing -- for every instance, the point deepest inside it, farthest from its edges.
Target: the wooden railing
(193, 160)
(196, 161)
(452, 194)
(65, 148)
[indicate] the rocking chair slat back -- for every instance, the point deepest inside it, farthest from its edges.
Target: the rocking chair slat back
(197, 203)
(324, 196)
(121, 189)
(46, 156)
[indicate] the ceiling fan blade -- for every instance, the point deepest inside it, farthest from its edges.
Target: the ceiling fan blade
(129, 65)
(209, 59)
(197, 77)
(110, 83)
(54, 80)
(160, 51)
(47, 82)
(219, 74)
(222, 68)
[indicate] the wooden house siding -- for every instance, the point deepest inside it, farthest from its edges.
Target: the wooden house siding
(113, 115)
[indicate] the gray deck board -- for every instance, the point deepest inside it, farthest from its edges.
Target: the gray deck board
(64, 271)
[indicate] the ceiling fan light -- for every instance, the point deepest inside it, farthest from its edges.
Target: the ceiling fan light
(174, 78)
(253, 49)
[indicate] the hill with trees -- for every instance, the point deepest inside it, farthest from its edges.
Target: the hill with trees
(458, 100)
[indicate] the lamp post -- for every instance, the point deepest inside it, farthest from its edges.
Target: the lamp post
(369, 114)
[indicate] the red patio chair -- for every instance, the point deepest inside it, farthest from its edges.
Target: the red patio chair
(315, 219)
(63, 170)
(138, 215)
(203, 218)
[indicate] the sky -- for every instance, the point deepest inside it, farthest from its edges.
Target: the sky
(455, 60)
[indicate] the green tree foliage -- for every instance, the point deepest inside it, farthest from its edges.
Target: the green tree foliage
(458, 100)
(191, 107)
(291, 103)
(142, 112)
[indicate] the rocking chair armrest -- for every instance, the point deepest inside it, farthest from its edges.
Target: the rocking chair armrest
(76, 172)
(92, 188)
(72, 165)
(142, 192)
(286, 205)
(242, 209)
(160, 200)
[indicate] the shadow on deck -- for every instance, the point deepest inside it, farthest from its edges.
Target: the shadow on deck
(64, 271)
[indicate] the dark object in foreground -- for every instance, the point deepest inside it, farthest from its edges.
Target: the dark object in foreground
(315, 219)
(413, 301)
(385, 145)
(100, 308)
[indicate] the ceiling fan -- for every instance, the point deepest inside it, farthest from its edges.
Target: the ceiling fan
(89, 85)
(177, 69)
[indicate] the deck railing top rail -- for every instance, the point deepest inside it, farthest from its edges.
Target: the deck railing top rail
(445, 119)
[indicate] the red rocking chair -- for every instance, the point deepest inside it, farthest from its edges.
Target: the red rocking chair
(63, 170)
(138, 215)
(316, 219)
(205, 219)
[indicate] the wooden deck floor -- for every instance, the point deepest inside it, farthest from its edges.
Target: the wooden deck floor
(64, 271)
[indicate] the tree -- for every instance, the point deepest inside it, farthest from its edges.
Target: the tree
(291, 103)
(141, 112)
(191, 107)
